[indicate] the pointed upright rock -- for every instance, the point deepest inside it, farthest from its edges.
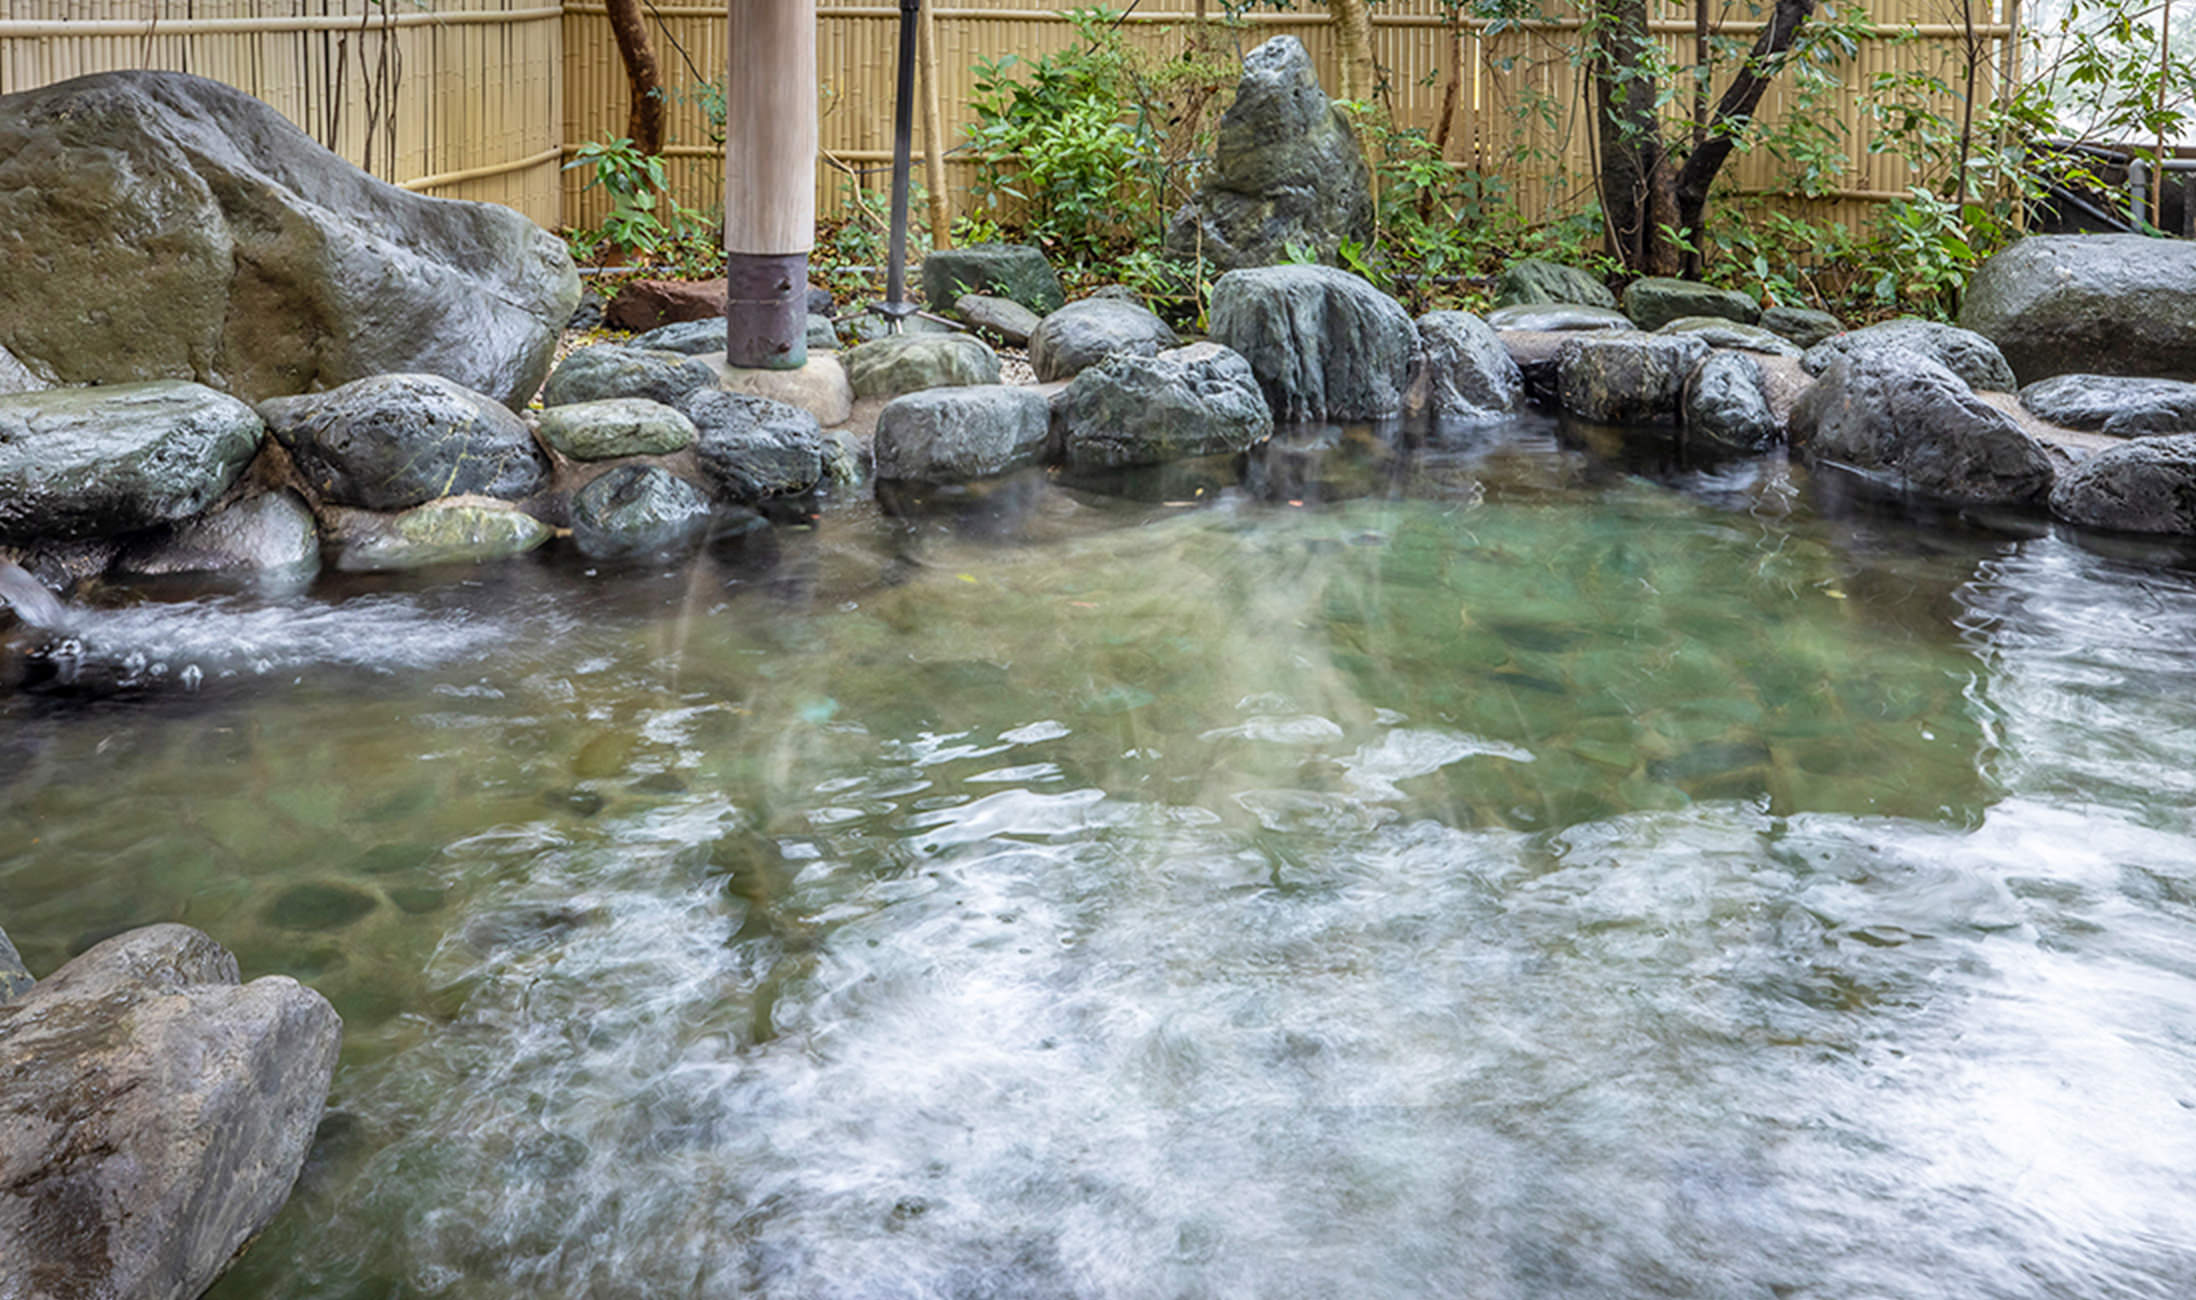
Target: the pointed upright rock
(1286, 171)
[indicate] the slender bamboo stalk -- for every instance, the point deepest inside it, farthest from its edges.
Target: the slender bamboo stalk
(934, 167)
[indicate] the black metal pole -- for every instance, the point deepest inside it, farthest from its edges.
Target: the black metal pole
(896, 307)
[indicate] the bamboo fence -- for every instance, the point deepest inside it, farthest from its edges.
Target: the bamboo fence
(456, 98)
(484, 99)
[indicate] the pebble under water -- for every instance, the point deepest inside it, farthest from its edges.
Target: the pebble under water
(1483, 869)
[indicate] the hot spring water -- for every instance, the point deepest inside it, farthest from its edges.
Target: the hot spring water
(1499, 875)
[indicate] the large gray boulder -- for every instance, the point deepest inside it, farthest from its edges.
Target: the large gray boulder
(1465, 374)
(270, 532)
(1627, 378)
(1018, 272)
(1963, 352)
(1657, 300)
(1532, 280)
(910, 363)
(163, 226)
(460, 530)
(1325, 344)
(634, 510)
(154, 1113)
(1286, 171)
(1905, 419)
(1084, 333)
(944, 435)
(1202, 400)
(1727, 406)
(2143, 487)
(2114, 404)
(2096, 304)
(752, 448)
(608, 370)
(396, 441)
(92, 462)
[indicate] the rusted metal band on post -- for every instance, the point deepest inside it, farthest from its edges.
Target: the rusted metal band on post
(766, 310)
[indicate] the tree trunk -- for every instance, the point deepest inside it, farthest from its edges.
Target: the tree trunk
(1629, 136)
(1654, 204)
(645, 122)
(1354, 33)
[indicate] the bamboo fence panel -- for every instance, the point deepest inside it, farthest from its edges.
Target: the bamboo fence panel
(455, 98)
(484, 99)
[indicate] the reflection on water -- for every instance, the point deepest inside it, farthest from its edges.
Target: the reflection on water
(1471, 869)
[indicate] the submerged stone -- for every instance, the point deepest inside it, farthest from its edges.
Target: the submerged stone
(638, 510)
(948, 434)
(1201, 400)
(459, 531)
(320, 905)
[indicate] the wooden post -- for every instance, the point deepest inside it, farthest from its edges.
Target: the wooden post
(934, 167)
(770, 139)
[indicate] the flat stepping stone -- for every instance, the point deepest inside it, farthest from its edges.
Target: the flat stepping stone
(2118, 405)
(615, 427)
(1551, 318)
(1717, 332)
